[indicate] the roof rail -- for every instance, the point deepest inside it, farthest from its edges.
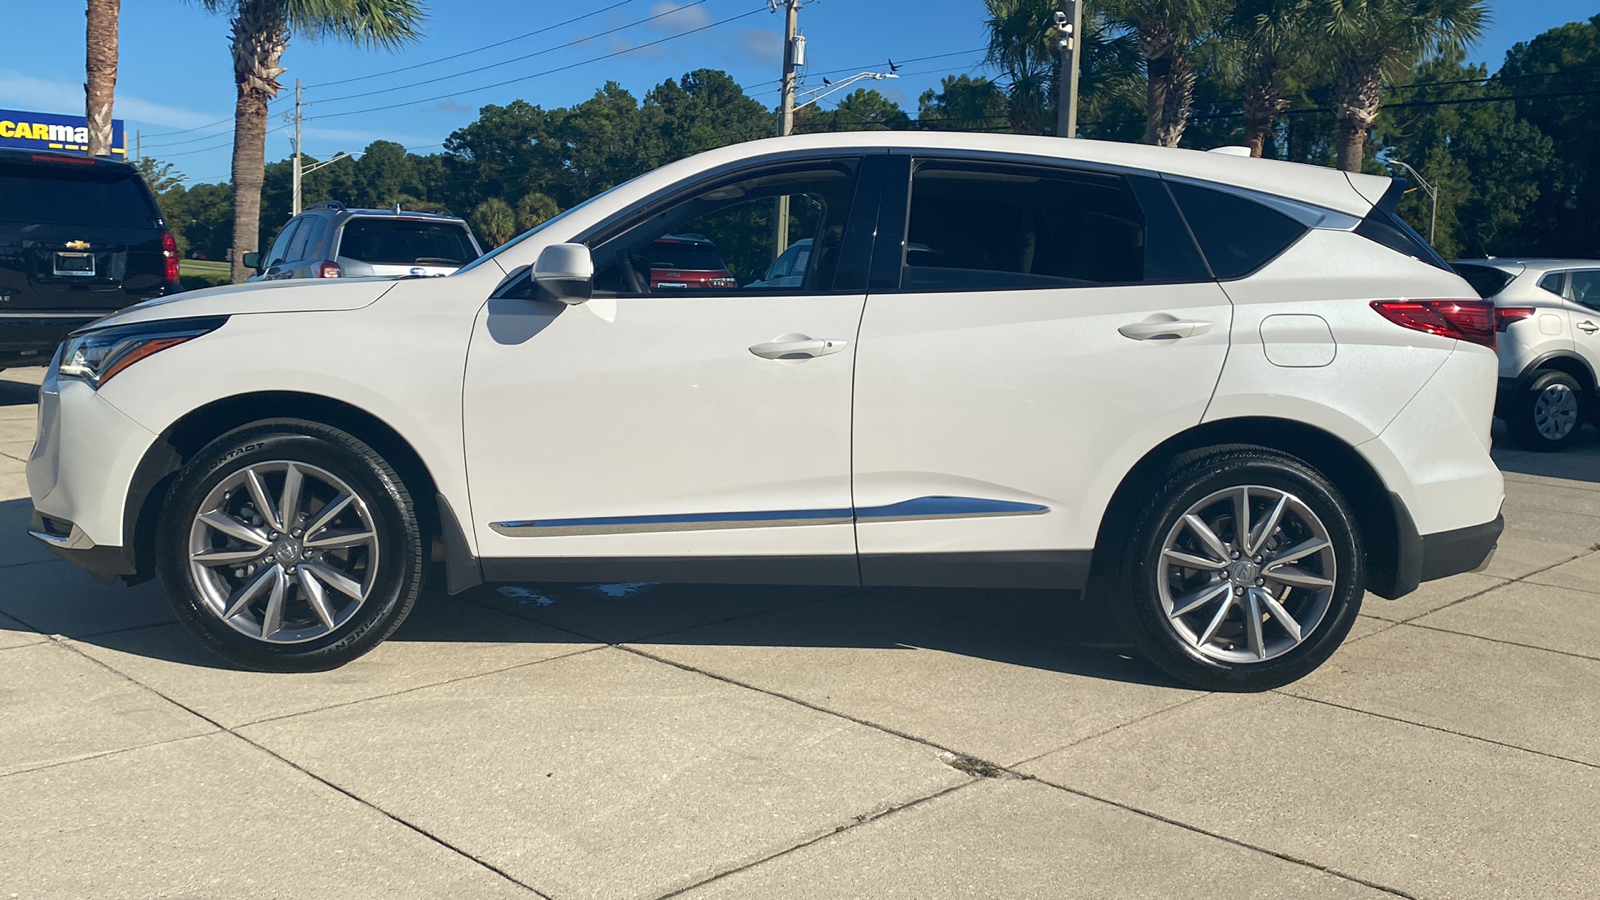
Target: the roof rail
(440, 210)
(326, 204)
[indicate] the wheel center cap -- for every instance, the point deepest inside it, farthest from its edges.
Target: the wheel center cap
(1245, 572)
(287, 550)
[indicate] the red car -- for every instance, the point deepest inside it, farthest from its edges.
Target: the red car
(688, 261)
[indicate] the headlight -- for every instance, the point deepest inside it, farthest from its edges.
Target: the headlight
(97, 356)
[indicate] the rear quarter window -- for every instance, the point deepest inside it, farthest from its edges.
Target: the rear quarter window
(1236, 234)
(64, 194)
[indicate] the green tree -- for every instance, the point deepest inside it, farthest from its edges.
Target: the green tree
(1487, 161)
(1267, 42)
(494, 221)
(863, 109)
(261, 31)
(535, 209)
(1381, 41)
(964, 103)
(1022, 45)
(1172, 35)
(1565, 220)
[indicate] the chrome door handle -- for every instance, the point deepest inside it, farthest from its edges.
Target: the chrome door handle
(1588, 327)
(1172, 328)
(798, 347)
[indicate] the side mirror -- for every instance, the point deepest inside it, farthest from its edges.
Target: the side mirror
(565, 273)
(252, 260)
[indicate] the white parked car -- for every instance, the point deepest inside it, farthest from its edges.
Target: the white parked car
(1548, 314)
(1226, 395)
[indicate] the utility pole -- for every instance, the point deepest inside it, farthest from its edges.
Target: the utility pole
(297, 172)
(1070, 25)
(793, 48)
(138, 144)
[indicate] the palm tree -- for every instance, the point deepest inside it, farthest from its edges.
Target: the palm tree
(1170, 34)
(261, 30)
(101, 65)
(1022, 37)
(1267, 40)
(1382, 40)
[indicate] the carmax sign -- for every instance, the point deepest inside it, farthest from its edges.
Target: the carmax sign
(52, 131)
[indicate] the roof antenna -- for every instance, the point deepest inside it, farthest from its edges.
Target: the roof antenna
(396, 206)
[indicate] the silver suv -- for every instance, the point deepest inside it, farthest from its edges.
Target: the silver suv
(1548, 314)
(330, 241)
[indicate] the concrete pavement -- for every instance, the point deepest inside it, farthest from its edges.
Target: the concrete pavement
(716, 741)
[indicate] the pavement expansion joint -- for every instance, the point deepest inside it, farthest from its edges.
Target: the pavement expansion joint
(1150, 814)
(1441, 729)
(857, 821)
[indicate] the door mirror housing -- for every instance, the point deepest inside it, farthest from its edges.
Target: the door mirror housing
(565, 273)
(252, 260)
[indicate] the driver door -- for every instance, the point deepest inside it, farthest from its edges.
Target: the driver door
(686, 423)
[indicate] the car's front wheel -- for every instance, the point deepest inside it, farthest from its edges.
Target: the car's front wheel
(290, 546)
(1547, 415)
(1243, 572)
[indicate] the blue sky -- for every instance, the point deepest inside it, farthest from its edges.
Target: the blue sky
(176, 72)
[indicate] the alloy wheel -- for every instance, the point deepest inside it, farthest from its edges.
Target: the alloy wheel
(1247, 574)
(283, 552)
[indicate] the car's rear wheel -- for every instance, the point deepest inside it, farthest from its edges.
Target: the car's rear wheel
(1548, 414)
(290, 546)
(1243, 572)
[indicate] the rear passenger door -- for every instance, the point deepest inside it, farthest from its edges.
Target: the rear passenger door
(1583, 291)
(1030, 332)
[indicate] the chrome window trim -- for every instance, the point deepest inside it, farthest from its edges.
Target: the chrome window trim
(1306, 214)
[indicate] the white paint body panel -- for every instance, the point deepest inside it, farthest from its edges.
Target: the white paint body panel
(651, 406)
(1029, 396)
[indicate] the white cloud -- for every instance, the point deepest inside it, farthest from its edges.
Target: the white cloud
(18, 91)
(677, 17)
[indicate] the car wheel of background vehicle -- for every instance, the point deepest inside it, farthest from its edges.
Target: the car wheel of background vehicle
(1243, 572)
(290, 546)
(1547, 416)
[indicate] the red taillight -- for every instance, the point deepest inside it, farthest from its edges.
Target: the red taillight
(64, 160)
(169, 250)
(1505, 315)
(328, 270)
(1464, 320)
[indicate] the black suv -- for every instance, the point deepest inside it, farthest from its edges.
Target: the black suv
(80, 238)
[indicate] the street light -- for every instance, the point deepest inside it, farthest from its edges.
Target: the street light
(1433, 194)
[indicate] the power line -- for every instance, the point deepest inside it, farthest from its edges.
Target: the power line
(400, 87)
(509, 40)
(564, 68)
(228, 142)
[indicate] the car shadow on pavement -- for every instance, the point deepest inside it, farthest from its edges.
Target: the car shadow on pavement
(1580, 461)
(17, 393)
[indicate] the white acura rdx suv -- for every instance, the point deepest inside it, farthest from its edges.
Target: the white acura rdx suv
(1227, 396)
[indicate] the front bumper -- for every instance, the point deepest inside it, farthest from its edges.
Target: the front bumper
(69, 542)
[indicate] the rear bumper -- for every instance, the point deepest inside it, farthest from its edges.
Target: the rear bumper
(1428, 557)
(29, 339)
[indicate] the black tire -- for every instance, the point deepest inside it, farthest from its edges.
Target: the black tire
(390, 565)
(1144, 571)
(1533, 426)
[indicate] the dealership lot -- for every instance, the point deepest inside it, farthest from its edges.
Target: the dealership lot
(640, 741)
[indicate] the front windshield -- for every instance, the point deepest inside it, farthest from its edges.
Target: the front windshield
(535, 230)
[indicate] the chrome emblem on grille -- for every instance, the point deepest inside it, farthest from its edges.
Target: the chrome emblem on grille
(77, 245)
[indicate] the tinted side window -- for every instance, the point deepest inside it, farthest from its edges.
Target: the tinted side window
(1585, 287)
(1555, 283)
(280, 247)
(297, 244)
(723, 238)
(305, 243)
(981, 228)
(66, 194)
(1486, 280)
(405, 242)
(1236, 234)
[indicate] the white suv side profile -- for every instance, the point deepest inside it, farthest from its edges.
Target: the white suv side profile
(1227, 396)
(1548, 314)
